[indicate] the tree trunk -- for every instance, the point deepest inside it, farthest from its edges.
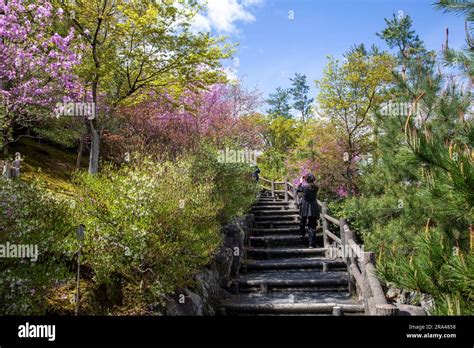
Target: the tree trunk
(95, 150)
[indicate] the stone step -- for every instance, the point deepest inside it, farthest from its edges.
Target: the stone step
(276, 196)
(282, 217)
(293, 229)
(261, 223)
(276, 212)
(259, 208)
(289, 240)
(265, 281)
(250, 265)
(276, 231)
(270, 203)
(277, 215)
(269, 253)
(292, 303)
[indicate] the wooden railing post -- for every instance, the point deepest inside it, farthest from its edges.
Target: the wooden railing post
(286, 190)
(342, 233)
(273, 188)
(360, 265)
(324, 211)
(346, 235)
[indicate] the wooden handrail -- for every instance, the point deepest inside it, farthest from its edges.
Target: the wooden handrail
(360, 266)
(331, 219)
(333, 236)
(288, 189)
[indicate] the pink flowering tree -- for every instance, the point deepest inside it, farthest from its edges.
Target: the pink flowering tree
(37, 65)
(320, 151)
(166, 126)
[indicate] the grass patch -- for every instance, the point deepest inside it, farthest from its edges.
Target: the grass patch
(50, 165)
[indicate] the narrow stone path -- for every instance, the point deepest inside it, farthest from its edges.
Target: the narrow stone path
(282, 276)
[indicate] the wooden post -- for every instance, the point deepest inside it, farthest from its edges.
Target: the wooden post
(273, 188)
(286, 190)
(375, 287)
(324, 210)
(351, 258)
(346, 234)
(325, 267)
(363, 286)
(342, 232)
(295, 196)
(336, 311)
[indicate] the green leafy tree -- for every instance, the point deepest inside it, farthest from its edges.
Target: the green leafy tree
(349, 93)
(279, 135)
(279, 103)
(417, 202)
(399, 34)
(137, 46)
(318, 150)
(299, 91)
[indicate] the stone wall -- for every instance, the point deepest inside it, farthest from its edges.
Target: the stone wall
(410, 303)
(212, 284)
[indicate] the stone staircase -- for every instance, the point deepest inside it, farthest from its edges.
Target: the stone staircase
(282, 276)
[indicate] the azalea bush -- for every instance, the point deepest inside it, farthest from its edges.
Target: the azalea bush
(150, 226)
(167, 126)
(319, 150)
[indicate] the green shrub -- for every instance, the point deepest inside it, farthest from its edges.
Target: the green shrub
(150, 226)
(414, 251)
(29, 215)
(433, 266)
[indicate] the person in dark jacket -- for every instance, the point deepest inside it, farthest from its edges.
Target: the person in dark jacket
(256, 173)
(309, 211)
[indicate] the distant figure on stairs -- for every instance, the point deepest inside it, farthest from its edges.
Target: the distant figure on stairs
(255, 173)
(309, 212)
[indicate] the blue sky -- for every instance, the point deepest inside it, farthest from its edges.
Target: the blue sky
(272, 46)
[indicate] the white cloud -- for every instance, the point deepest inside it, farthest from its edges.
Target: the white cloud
(201, 23)
(221, 15)
(252, 2)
